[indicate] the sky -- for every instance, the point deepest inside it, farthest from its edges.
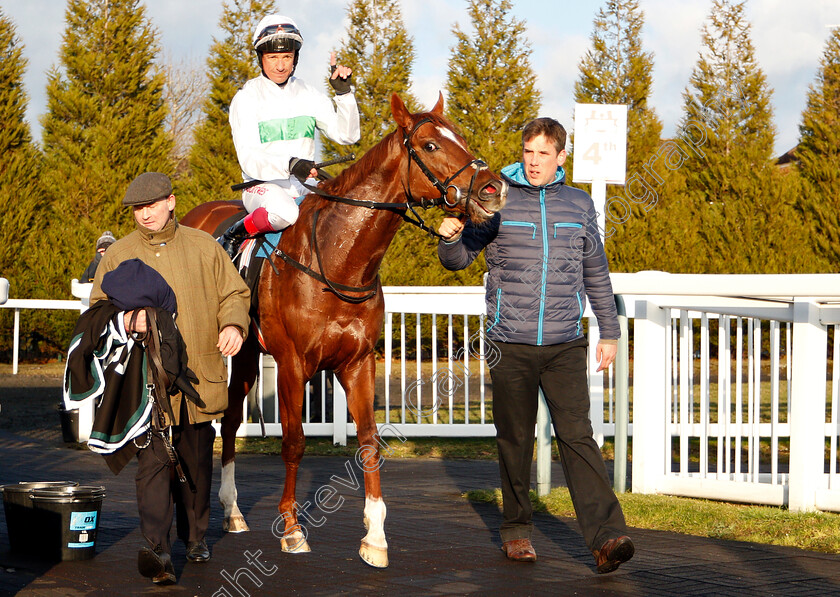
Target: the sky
(789, 39)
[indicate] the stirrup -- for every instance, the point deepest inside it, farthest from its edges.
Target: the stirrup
(233, 237)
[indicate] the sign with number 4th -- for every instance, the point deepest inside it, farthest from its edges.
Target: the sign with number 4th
(600, 146)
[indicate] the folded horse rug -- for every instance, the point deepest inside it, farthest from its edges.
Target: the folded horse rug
(107, 365)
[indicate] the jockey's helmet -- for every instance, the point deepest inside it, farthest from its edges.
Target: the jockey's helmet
(276, 33)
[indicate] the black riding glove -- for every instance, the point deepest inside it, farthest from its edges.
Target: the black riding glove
(301, 168)
(340, 85)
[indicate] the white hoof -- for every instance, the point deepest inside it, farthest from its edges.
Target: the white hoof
(294, 543)
(235, 524)
(373, 556)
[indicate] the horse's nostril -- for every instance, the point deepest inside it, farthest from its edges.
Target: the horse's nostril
(489, 190)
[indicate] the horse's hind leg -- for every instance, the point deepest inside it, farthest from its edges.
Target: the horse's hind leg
(243, 374)
(358, 381)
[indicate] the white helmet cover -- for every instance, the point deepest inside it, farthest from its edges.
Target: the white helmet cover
(276, 33)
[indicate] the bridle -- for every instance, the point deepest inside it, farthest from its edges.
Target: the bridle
(398, 207)
(442, 187)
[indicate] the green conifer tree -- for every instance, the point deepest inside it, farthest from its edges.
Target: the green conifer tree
(731, 184)
(491, 87)
(818, 155)
(232, 62)
(490, 116)
(380, 52)
(615, 70)
(21, 199)
(105, 120)
(729, 95)
(104, 127)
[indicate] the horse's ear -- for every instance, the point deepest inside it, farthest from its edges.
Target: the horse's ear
(401, 115)
(438, 109)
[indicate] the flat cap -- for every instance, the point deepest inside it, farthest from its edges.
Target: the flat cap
(148, 188)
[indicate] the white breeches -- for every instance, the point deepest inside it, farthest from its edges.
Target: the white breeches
(278, 200)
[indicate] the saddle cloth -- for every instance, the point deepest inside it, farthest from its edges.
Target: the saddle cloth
(249, 261)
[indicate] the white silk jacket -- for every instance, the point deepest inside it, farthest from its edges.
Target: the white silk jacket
(272, 124)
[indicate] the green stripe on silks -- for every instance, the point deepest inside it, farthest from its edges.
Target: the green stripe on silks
(285, 129)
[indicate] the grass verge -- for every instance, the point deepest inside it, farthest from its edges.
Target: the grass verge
(425, 447)
(815, 531)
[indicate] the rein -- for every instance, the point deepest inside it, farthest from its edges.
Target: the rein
(397, 207)
(333, 287)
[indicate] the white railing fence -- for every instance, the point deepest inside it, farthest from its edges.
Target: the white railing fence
(733, 398)
(736, 398)
(433, 379)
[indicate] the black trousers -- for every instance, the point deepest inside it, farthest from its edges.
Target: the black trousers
(159, 491)
(560, 370)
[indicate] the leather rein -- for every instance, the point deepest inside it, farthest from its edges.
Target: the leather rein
(397, 207)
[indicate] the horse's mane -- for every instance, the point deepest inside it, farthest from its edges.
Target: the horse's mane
(353, 175)
(378, 154)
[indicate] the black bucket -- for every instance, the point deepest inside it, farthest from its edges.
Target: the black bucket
(69, 424)
(67, 520)
(20, 515)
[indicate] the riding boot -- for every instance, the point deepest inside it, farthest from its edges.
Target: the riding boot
(233, 237)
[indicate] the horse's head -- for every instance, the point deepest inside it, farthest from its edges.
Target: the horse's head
(441, 164)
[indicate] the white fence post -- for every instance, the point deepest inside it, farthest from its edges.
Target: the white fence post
(596, 384)
(16, 343)
(807, 405)
(339, 414)
(543, 446)
(651, 406)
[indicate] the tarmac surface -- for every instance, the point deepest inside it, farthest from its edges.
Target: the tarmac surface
(439, 543)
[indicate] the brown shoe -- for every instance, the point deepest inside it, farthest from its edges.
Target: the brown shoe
(156, 564)
(519, 550)
(613, 553)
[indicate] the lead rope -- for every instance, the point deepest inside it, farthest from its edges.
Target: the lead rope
(158, 391)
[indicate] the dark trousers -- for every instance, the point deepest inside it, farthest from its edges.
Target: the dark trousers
(560, 370)
(158, 487)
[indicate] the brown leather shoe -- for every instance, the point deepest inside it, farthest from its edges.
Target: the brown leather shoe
(156, 564)
(613, 553)
(519, 550)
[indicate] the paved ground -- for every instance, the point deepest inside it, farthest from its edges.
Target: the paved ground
(440, 544)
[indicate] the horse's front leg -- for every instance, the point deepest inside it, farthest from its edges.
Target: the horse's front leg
(244, 372)
(290, 399)
(358, 381)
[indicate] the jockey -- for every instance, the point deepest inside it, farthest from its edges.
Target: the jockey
(273, 120)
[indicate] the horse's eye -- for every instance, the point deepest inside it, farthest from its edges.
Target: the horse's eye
(430, 147)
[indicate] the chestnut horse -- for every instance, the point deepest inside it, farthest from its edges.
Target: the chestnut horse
(334, 322)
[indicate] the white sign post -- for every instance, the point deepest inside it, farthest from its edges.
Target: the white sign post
(600, 150)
